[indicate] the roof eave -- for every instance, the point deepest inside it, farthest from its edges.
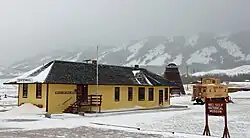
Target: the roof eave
(10, 83)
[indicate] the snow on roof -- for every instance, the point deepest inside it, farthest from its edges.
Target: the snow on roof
(135, 72)
(43, 75)
(147, 80)
(138, 71)
(25, 78)
(138, 81)
(154, 79)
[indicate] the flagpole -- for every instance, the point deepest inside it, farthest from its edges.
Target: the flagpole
(97, 71)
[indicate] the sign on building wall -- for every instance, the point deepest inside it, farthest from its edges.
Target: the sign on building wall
(65, 92)
(216, 107)
(24, 80)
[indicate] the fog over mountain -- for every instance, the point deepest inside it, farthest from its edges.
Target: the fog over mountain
(200, 52)
(29, 28)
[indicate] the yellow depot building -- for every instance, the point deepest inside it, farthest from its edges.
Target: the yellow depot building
(63, 86)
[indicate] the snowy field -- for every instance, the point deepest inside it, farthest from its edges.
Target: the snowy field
(6, 103)
(29, 121)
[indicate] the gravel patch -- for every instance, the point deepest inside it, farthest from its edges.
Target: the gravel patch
(20, 120)
(80, 132)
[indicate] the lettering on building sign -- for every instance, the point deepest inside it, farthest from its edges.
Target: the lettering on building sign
(65, 92)
(216, 109)
(24, 80)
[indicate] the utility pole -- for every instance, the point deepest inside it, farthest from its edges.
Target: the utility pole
(97, 76)
(187, 77)
(97, 71)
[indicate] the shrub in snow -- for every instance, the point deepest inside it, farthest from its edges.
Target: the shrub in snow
(48, 115)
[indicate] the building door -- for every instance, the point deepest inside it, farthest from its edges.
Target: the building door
(85, 93)
(79, 95)
(160, 97)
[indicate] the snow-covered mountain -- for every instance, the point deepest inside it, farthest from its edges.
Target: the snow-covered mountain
(244, 69)
(25, 65)
(200, 52)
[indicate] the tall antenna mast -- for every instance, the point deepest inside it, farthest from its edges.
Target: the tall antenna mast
(97, 71)
(187, 78)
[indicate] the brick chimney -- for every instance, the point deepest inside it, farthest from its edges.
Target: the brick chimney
(94, 61)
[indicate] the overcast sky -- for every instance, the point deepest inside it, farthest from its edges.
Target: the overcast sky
(28, 27)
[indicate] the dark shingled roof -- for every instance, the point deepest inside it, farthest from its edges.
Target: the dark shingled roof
(85, 73)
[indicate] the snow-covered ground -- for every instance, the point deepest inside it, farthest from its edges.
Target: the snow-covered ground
(238, 84)
(246, 84)
(10, 90)
(188, 88)
(7, 103)
(185, 122)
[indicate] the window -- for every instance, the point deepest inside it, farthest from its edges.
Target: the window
(25, 90)
(213, 81)
(38, 90)
(151, 94)
(117, 94)
(166, 94)
(141, 94)
(130, 94)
